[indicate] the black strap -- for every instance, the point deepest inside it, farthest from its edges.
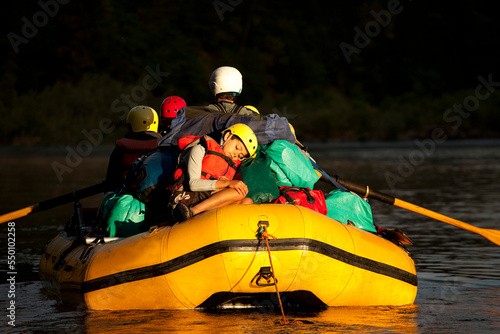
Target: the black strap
(223, 156)
(180, 163)
(236, 109)
(220, 106)
(202, 141)
(284, 192)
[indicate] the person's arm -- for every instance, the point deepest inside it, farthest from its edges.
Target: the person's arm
(196, 183)
(194, 161)
(114, 173)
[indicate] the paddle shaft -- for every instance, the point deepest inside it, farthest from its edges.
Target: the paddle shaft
(54, 202)
(366, 192)
(361, 190)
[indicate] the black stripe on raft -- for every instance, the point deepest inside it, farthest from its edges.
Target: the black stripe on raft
(248, 246)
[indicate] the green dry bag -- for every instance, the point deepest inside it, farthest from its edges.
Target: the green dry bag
(346, 207)
(259, 179)
(291, 167)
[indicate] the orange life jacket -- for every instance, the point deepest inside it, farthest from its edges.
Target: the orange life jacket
(215, 163)
(134, 148)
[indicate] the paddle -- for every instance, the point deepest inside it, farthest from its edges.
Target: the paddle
(54, 202)
(365, 191)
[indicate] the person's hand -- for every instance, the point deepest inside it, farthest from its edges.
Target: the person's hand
(239, 186)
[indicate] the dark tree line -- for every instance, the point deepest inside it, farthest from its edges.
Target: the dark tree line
(355, 58)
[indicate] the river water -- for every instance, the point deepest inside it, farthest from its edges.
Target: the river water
(458, 271)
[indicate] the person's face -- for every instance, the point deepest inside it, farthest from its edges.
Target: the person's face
(235, 149)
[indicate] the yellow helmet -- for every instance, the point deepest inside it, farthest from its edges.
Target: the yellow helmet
(142, 118)
(292, 129)
(246, 135)
(252, 108)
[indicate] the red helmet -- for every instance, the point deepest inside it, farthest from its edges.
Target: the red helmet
(171, 105)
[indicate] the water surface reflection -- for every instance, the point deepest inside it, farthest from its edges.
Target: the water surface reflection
(459, 271)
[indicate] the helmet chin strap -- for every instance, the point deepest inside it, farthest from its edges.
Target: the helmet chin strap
(223, 142)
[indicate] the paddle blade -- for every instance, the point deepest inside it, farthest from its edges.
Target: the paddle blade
(491, 235)
(54, 202)
(18, 214)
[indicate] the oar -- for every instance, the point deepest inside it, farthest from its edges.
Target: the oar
(365, 191)
(54, 202)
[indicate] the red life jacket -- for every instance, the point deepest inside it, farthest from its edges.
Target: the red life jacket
(215, 163)
(133, 149)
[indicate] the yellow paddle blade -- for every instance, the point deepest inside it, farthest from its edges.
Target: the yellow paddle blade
(56, 201)
(18, 214)
(491, 235)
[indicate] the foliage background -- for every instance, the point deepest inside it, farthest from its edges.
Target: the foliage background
(88, 54)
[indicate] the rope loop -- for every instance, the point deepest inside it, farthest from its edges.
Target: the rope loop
(263, 234)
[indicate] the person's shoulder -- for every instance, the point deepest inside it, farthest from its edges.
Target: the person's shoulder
(223, 107)
(141, 136)
(234, 108)
(195, 111)
(247, 112)
(151, 135)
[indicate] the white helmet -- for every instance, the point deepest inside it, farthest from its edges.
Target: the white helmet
(226, 79)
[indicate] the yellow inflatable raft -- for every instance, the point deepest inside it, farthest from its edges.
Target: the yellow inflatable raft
(216, 260)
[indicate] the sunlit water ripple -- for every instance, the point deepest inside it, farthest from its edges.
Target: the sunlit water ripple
(458, 271)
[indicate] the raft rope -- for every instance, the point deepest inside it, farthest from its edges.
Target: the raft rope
(246, 271)
(263, 234)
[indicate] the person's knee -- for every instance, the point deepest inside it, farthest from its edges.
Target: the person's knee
(246, 200)
(233, 194)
